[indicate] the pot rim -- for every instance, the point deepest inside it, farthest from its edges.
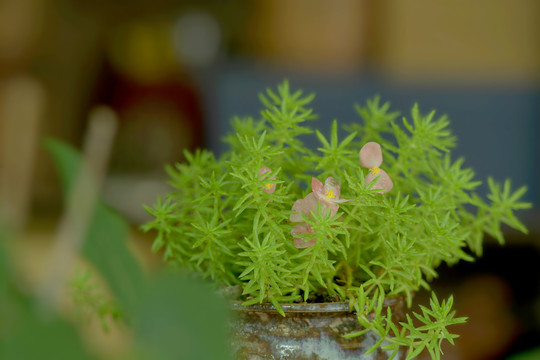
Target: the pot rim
(327, 307)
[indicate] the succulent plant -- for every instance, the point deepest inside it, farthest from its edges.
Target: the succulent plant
(260, 217)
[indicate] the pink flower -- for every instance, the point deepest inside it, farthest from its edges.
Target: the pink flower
(300, 229)
(303, 206)
(328, 194)
(371, 158)
(268, 187)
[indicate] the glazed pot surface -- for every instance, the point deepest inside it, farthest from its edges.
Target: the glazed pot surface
(308, 331)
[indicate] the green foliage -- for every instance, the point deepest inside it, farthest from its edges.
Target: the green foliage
(222, 222)
(427, 332)
(532, 354)
(266, 269)
(90, 301)
(25, 331)
(315, 264)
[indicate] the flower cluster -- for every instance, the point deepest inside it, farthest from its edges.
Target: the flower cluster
(329, 193)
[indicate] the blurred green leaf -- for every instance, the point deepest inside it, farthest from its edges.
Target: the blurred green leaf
(531, 354)
(180, 317)
(105, 243)
(174, 316)
(25, 331)
(35, 337)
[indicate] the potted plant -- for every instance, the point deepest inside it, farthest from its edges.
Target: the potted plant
(359, 225)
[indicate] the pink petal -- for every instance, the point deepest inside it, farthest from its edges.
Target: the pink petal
(327, 203)
(321, 190)
(334, 207)
(317, 186)
(304, 206)
(332, 203)
(371, 155)
(384, 182)
(302, 244)
(331, 184)
(340, 201)
(264, 170)
(271, 190)
(302, 229)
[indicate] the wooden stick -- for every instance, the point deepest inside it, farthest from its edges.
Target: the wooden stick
(76, 218)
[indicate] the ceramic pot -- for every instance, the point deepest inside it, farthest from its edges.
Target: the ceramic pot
(308, 331)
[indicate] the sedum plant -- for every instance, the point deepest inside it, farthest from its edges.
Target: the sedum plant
(363, 218)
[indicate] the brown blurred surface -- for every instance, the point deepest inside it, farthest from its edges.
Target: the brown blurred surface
(491, 41)
(321, 35)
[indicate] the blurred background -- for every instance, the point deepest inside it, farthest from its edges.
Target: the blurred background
(175, 72)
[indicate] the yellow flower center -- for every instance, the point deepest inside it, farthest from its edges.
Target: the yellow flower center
(330, 194)
(268, 185)
(374, 170)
